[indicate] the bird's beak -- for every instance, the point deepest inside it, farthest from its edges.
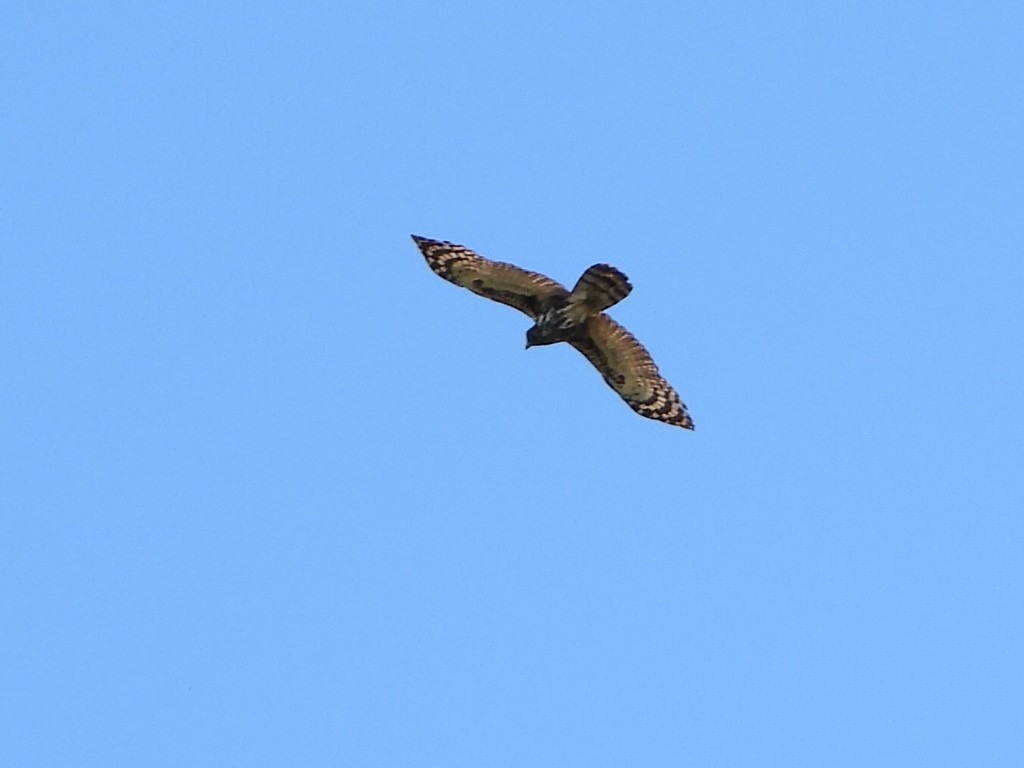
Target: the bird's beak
(528, 344)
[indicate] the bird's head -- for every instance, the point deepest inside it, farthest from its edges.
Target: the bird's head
(538, 336)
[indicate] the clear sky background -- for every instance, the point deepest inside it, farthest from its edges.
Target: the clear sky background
(274, 494)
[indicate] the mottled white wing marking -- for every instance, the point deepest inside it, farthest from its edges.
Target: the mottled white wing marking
(628, 369)
(526, 291)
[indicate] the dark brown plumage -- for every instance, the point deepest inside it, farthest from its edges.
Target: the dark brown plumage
(576, 317)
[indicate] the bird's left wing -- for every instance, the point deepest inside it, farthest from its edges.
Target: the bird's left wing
(526, 291)
(628, 369)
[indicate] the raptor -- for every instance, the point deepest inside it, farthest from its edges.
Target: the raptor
(576, 317)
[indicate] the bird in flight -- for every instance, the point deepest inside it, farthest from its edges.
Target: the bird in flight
(575, 316)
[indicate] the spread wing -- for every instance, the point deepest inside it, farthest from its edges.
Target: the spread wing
(630, 371)
(507, 283)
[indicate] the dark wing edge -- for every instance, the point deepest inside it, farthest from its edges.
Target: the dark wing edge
(627, 368)
(496, 280)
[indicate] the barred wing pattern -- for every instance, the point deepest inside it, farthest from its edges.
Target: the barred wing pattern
(600, 287)
(506, 283)
(628, 369)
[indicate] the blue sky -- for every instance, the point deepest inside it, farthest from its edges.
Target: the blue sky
(271, 493)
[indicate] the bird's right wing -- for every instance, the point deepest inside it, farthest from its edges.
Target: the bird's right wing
(526, 291)
(628, 369)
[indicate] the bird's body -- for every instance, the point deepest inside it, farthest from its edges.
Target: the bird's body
(576, 317)
(561, 320)
(563, 316)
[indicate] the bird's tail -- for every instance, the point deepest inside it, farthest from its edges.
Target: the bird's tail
(600, 287)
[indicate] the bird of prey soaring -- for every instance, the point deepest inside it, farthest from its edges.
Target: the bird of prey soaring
(575, 316)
